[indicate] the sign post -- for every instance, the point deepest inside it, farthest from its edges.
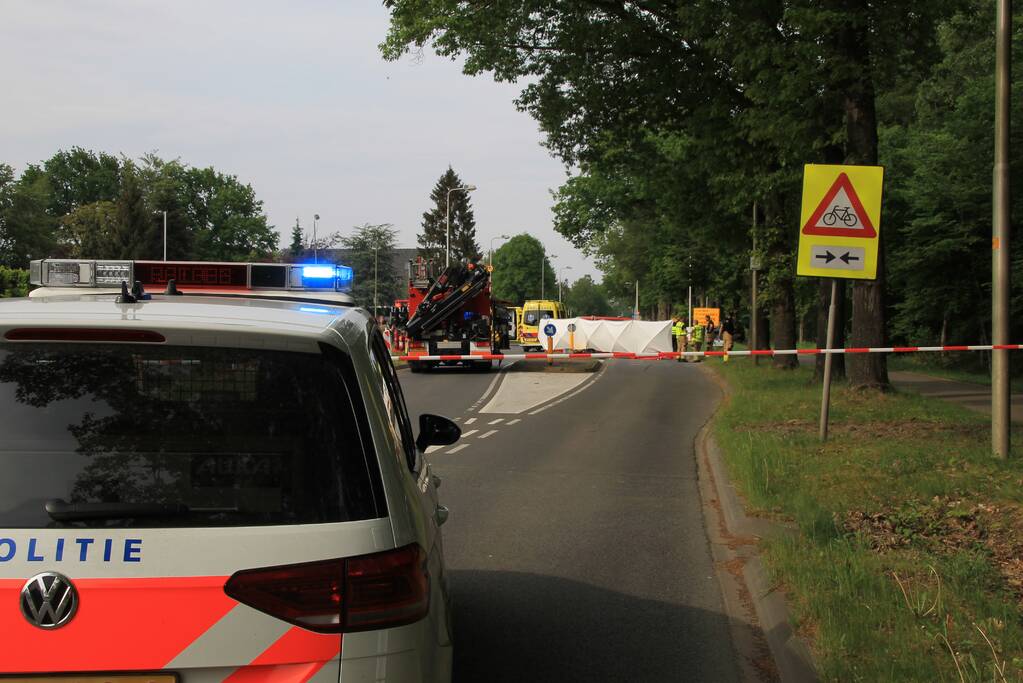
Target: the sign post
(841, 221)
(549, 331)
(571, 337)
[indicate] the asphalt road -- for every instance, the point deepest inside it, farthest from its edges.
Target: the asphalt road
(576, 546)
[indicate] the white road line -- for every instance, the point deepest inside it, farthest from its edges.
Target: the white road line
(515, 420)
(470, 432)
(433, 449)
(470, 420)
(496, 422)
(458, 448)
(584, 387)
(492, 431)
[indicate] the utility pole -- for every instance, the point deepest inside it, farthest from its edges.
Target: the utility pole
(316, 250)
(1000, 405)
(376, 250)
(164, 235)
(635, 313)
(754, 267)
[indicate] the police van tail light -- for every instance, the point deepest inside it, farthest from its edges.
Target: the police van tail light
(387, 589)
(375, 591)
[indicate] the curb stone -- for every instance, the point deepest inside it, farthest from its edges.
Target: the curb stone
(750, 597)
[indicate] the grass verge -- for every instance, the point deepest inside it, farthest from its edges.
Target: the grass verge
(909, 561)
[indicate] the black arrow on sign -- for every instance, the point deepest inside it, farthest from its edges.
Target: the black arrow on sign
(827, 256)
(847, 258)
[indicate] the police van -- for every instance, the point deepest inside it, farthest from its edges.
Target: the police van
(207, 473)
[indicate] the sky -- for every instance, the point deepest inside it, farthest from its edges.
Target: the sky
(292, 97)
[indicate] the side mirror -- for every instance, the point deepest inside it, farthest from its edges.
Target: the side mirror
(435, 430)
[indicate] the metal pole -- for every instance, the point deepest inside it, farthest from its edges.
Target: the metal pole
(542, 278)
(635, 315)
(689, 318)
(1000, 406)
(826, 390)
(447, 231)
(376, 251)
(753, 294)
(164, 235)
(316, 249)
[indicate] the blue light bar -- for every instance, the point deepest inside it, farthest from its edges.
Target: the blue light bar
(318, 272)
(312, 309)
(345, 275)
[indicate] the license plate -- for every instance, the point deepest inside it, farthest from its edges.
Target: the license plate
(449, 345)
(93, 678)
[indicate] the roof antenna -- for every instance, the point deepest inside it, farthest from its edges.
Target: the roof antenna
(139, 293)
(125, 296)
(172, 288)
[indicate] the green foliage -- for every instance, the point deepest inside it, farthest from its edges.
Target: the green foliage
(677, 117)
(940, 204)
(13, 282)
(517, 274)
(433, 238)
(586, 297)
(372, 259)
(83, 204)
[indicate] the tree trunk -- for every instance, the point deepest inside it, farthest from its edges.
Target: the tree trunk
(783, 328)
(867, 370)
(823, 303)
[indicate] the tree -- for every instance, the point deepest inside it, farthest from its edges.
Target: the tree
(227, 220)
(296, 247)
(742, 92)
(372, 259)
(80, 177)
(433, 238)
(163, 183)
(135, 235)
(90, 231)
(27, 231)
(517, 270)
(586, 297)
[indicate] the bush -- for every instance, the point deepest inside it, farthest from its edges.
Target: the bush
(13, 282)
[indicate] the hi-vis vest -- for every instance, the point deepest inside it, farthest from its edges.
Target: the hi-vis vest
(698, 333)
(678, 329)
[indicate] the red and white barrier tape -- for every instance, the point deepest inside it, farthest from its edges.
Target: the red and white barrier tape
(672, 355)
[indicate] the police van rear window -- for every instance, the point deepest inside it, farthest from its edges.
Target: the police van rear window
(163, 436)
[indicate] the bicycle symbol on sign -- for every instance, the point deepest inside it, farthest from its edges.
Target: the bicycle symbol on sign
(841, 213)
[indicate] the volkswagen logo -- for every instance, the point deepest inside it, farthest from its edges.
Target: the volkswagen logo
(49, 600)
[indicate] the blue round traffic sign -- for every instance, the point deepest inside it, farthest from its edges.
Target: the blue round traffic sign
(550, 330)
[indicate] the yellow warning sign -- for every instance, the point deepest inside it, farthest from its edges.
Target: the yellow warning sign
(840, 221)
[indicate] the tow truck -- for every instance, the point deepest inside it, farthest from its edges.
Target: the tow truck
(453, 314)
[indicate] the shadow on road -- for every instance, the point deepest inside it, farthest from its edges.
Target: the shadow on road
(512, 626)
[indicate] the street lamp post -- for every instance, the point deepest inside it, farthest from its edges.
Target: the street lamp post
(543, 270)
(447, 221)
(316, 249)
(157, 213)
(562, 268)
(635, 313)
(492, 239)
(376, 250)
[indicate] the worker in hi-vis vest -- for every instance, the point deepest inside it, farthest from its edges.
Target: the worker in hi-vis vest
(699, 333)
(678, 336)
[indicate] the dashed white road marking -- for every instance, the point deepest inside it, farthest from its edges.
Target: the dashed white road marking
(458, 448)
(433, 449)
(492, 431)
(470, 432)
(497, 421)
(470, 420)
(515, 421)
